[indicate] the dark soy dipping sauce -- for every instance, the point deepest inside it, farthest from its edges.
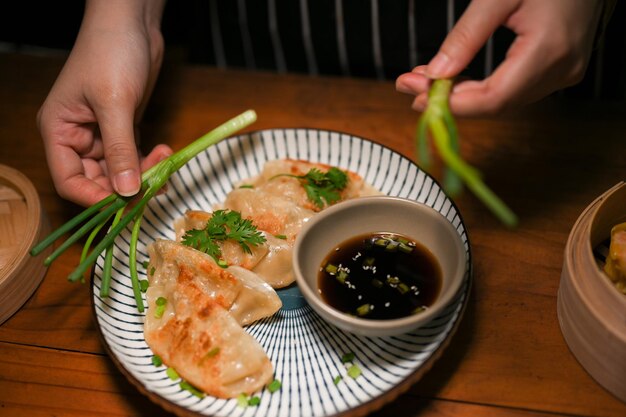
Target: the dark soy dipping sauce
(368, 278)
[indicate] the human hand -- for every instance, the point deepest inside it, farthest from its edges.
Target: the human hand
(553, 44)
(87, 122)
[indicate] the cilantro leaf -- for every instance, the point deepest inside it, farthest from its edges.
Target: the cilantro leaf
(223, 225)
(322, 188)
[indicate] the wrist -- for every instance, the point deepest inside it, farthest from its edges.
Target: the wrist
(123, 14)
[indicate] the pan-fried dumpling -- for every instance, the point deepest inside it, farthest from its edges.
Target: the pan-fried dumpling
(247, 296)
(199, 333)
(273, 182)
(231, 251)
(271, 260)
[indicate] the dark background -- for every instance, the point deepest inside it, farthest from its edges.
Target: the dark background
(49, 27)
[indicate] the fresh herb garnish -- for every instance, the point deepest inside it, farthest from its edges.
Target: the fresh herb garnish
(347, 357)
(354, 371)
(439, 120)
(337, 379)
(123, 213)
(244, 400)
(223, 225)
(172, 374)
(161, 305)
(186, 386)
(156, 360)
(322, 188)
(274, 386)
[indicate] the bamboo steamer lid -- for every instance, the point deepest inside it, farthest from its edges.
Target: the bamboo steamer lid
(22, 224)
(591, 310)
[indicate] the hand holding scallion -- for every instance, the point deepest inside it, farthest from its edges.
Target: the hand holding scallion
(122, 213)
(438, 120)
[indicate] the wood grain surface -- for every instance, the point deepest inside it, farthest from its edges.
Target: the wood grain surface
(508, 357)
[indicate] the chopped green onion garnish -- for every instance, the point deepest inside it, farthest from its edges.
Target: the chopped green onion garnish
(152, 270)
(156, 360)
(145, 264)
(283, 237)
(184, 385)
(254, 401)
(337, 379)
(381, 243)
(403, 288)
(417, 310)
(246, 186)
(158, 312)
(363, 310)
(274, 386)
(368, 261)
(403, 247)
(354, 371)
(161, 305)
(393, 280)
(222, 263)
(347, 357)
(392, 246)
(342, 276)
(331, 269)
(172, 374)
(242, 400)
(143, 285)
(213, 352)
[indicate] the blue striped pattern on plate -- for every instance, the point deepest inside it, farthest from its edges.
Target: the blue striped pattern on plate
(305, 350)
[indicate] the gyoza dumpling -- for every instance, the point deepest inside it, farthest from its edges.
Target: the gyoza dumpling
(273, 182)
(199, 333)
(271, 260)
(204, 343)
(231, 251)
(247, 296)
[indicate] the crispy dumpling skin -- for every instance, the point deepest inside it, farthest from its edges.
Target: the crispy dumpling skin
(244, 294)
(200, 333)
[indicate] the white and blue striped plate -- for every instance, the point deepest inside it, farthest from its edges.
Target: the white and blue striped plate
(306, 351)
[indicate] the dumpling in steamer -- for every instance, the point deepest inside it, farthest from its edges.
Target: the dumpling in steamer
(615, 266)
(200, 333)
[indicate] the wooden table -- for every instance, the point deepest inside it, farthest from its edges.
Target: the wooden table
(508, 357)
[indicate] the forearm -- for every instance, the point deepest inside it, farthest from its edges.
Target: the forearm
(116, 14)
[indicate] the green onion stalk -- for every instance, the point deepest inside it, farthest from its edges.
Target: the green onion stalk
(119, 209)
(438, 120)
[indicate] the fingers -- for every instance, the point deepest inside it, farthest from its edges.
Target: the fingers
(159, 153)
(116, 123)
(470, 33)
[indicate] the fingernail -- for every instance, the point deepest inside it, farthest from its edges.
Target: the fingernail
(438, 65)
(127, 183)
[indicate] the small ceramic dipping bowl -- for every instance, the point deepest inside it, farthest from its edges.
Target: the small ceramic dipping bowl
(379, 214)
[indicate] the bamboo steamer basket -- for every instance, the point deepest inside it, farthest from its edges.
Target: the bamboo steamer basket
(22, 223)
(591, 310)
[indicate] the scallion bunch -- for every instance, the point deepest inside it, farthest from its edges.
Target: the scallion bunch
(118, 211)
(438, 120)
